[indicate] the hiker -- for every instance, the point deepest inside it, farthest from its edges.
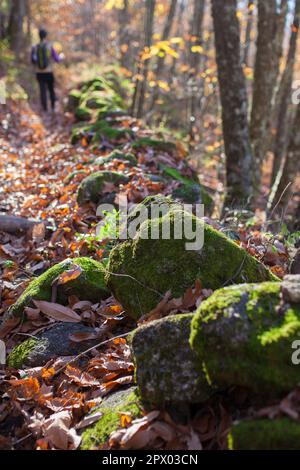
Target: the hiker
(42, 57)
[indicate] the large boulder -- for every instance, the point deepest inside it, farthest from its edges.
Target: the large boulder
(124, 401)
(265, 434)
(142, 270)
(244, 335)
(50, 344)
(89, 285)
(167, 369)
(92, 188)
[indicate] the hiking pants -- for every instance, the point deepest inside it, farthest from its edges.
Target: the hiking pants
(46, 81)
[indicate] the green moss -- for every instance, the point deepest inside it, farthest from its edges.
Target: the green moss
(129, 158)
(243, 336)
(176, 175)
(159, 145)
(265, 434)
(73, 100)
(19, 354)
(83, 114)
(142, 270)
(91, 188)
(88, 286)
(97, 435)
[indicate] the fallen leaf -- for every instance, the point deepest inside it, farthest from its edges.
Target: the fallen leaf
(57, 311)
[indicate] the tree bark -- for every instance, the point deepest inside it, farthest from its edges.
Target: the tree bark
(196, 32)
(249, 28)
(123, 33)
(269, 50)
(161, 60)
(284, 97)
(15, 26)
(14, 225)
(234, 103)
(149, 20)
(290, 167)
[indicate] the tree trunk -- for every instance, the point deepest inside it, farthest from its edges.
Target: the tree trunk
(289, 168)
(149, 20)
(234, 103)
(15, 26)
(248, 32)
(269, 50)
(161, 60)
(196, 32)
(284, 97)
(123, 34)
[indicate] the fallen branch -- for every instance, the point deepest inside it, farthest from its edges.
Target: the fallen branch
(14, 225)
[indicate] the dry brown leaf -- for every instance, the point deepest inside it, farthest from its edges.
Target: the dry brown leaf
(57, 311)
(58, 431)
(69, 275)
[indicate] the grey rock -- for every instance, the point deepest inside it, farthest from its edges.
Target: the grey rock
(50, 344)
(166, 366)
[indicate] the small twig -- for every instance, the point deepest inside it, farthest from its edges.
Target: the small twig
(90, 349)
(134, 279)
(237, 273)
(21, 440)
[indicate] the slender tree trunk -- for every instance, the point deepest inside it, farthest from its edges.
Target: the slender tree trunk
(149, 19)
(269, 50)
(15, 26)
(196, 32)
(161, 60)
(290, 166)
(249, 28)
(234, 103)
(284, 97)
(123, 34)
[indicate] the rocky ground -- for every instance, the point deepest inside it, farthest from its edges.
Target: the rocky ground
(137, 343)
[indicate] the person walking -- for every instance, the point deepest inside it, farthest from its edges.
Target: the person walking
(43, 55)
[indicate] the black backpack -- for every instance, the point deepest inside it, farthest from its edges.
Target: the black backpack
(43, 56)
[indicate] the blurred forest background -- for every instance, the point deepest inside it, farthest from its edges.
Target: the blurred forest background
(169, 53)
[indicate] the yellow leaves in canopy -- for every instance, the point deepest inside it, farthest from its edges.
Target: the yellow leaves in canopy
(163, 85)
(197, 49)
(110, 4)
(157, 49)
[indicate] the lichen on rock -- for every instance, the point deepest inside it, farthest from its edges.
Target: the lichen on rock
(243, 335)
(166, 367)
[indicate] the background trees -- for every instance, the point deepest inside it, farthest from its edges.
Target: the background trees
(188, 64)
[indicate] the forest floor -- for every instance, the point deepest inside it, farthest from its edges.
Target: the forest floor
(53, 400)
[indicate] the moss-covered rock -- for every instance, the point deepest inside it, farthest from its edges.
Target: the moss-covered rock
(166, 367)
(82, 113)
(142, 270)
(49, 344)
(158, 145)
(73, 100)
(92, 188)
(128, 158)
(125, 401)
(265, 434)
(98, 131)
(244, 334)
(89, 285)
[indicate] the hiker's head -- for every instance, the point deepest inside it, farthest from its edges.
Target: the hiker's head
(43, 34)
